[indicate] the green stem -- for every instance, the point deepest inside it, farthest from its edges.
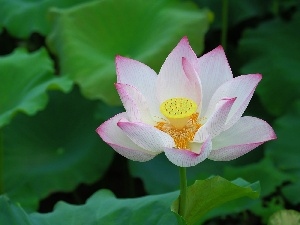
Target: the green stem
(224, 23)
(183, 187)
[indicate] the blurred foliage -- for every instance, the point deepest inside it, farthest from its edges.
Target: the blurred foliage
(53, 156)
(239, 11)
(213, 192)
(152, 209)
(96, 211)
(24, 17)
(285, 151)
(277, 59)
(87, 38)
(28, 94)
(56, 86)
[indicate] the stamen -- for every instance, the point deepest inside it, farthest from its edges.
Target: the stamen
(182, 136)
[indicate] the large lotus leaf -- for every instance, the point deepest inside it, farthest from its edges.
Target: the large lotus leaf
(23, 17)
(230, 208)
(262, 208)
(204, 195)
(104, 208)
(264, 171)
(88, 37)
(277, 58)
(101, 208)
(25, 78)
(12, 214)
(53, 151)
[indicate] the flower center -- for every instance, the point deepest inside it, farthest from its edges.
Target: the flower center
(183, 120)
(178, 110)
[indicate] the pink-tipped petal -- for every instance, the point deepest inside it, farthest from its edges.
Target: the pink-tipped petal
(216, 122)
(194, 84)
(172, 81)
(232, 152)
(187, 158)
(134, 103)
(241, 87)
(132, 154)
(115, 137)
(138, 75)
(214, 70)
(242, 137)
(146, 136)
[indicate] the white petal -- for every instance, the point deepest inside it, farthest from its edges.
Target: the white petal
(242, 137)
(172, 81)
(194, 85)
(134, 103)
(146, 136)
(216, 123)
(132, 154)
(140, 76)
(241, 87)
(214, 70)
(187, 158)
(115, 137)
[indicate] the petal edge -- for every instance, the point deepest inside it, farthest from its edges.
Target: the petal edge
(187, 158)
(146, 136)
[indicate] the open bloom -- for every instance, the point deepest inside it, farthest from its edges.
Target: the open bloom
(190, 111)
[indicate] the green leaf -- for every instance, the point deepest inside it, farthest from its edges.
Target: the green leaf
(101, 208)
(104, 208)
(285, 150)
(205, 195)
(25, 78)
(290, 217)
(291, 192)
(266, 208)
(12, 214)
(276, 57)
(55, 150)
(88, 37)
(262, 208)
(269, 176)
(231, 208)
(23, 17)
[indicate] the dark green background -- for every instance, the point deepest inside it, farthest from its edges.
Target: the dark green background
(56, 87)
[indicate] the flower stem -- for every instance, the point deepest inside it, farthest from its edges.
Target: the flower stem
(183, 187)
(224, 23)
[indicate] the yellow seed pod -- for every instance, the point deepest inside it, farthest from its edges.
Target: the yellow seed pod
(178, 110)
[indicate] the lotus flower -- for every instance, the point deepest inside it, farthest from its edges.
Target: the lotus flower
(190, 111)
